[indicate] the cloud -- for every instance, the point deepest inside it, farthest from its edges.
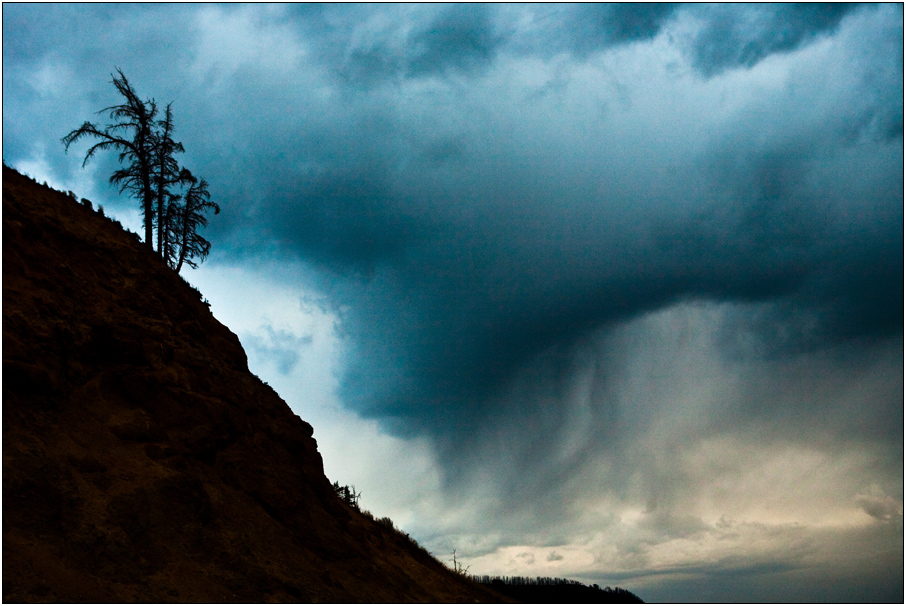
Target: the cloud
(724, 560)
(509, 249)
(526, 557)
(731, 38)
(469, 230)
(652, 447)
(461, 38)
(281, 346)
(599, 26)
(883, 508)
(381, 49)
(614, 272)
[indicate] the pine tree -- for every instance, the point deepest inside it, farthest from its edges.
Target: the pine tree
(166, 172)
(132, 133)
(150, 173)
(188, 217)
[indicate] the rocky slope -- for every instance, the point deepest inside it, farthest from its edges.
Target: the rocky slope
(142, 461)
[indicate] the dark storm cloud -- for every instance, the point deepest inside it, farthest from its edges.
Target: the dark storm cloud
(474, 235)
(479, 308)
(456, 39)
(725, 37)
(349, 218)
(602, 25)
(844, 274)
(461, 38)
(465, 39)
(741, 38)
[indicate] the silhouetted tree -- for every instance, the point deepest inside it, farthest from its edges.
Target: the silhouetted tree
(348, 495)
(185, 219)
(150, 172)
(166, 172)
(458, 568)
(132, 133)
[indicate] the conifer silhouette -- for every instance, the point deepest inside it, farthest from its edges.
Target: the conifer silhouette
(167, 173)
(132, 134)
(150, 172)
(187, 218)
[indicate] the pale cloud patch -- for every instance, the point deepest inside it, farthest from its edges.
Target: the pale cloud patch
(245, 37)
(282, 347)
(882, 507)
(526, 558)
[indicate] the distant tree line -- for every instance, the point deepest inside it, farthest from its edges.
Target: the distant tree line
(547, 590)
(173, 201)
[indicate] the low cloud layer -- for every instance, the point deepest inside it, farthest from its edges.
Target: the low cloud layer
(624, 271)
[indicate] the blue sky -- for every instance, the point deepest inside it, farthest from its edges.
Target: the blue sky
(611, 292)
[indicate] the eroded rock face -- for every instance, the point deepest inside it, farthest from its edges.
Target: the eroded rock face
(142, 460)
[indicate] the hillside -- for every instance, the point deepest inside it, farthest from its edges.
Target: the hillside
(142, 461)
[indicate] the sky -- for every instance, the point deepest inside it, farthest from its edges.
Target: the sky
(605, 292)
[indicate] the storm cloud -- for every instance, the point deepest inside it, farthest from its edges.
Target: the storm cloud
(732, 38)
(632, 274)
(489, 233)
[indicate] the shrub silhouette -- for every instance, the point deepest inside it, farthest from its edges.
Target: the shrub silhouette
(347, 494)
(350, 497)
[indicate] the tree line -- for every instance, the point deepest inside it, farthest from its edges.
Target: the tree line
(173, 201)
(547, 590)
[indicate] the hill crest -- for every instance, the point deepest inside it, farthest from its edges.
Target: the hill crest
(142, 461)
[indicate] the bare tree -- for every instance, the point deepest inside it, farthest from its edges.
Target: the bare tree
(150, 172)
(186, 219)
(132, 133)
(458, 567)
(166, 172)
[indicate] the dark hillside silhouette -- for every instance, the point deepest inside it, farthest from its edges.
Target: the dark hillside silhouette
(142, 461)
